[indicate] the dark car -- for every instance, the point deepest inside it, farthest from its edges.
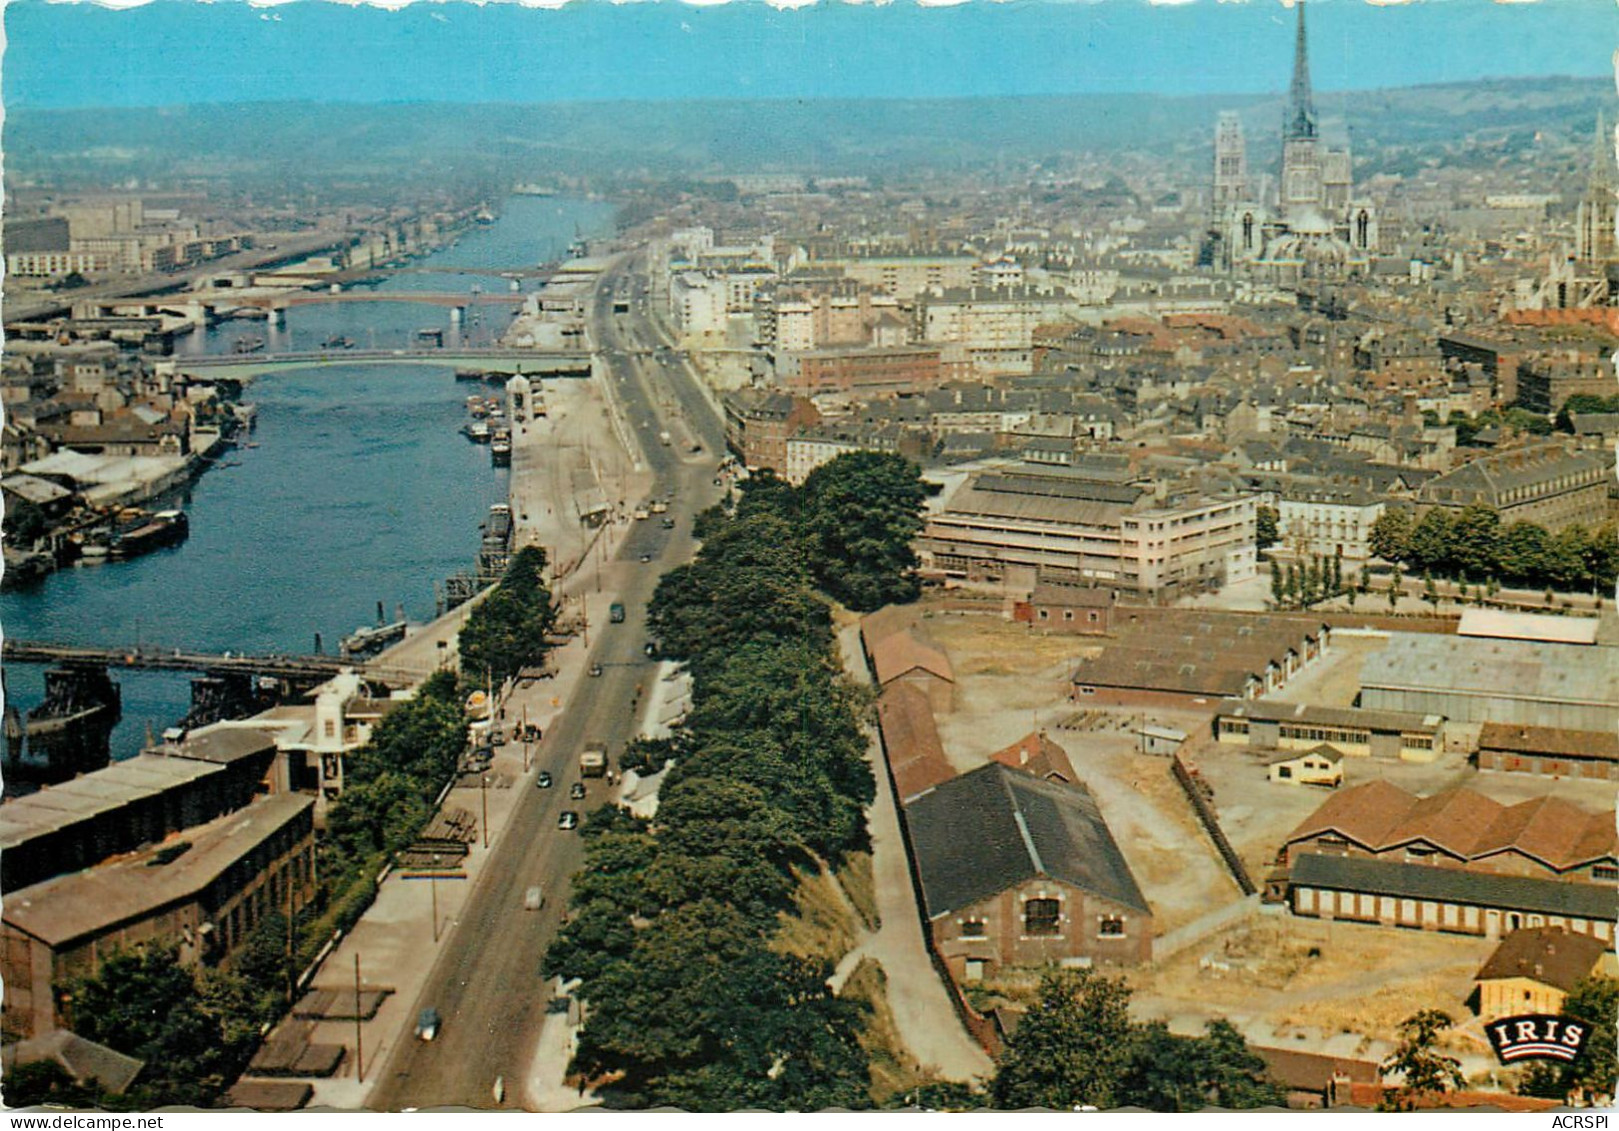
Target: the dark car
(577, 790)
(543, 781)
(568, 820)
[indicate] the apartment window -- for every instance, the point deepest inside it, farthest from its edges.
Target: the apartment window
(1111, 926)
(972, 929)
(1042, 917)
(1068, 614)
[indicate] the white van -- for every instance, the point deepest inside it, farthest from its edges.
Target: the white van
(533, 899)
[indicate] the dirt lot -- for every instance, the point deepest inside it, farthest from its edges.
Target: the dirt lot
(1301, 976)
(1010, 682)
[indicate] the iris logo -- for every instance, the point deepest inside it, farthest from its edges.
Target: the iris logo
(1536, 1036)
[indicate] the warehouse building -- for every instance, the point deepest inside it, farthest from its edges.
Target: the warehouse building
(1016, 870)
(1461, 829)
(1549, 751)
(1269, 725)
(1196, 657)
(1443, 899)
(1481, 680)
(205, 892)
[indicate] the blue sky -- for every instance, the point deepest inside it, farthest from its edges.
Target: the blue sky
(178, 51)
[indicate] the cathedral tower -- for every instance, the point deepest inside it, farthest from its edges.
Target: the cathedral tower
(1303, 189)
(1594, 224)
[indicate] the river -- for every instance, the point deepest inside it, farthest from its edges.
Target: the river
(360, 489)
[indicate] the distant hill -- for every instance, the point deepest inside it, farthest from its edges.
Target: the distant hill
(412, 141)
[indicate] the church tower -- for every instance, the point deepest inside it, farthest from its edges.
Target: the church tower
(1594, 225)
(1302, 181)
(1230, 162)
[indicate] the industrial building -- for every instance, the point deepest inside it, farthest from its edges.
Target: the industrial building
(1021, 528)
(206, 893)
(1270, 725)
(1195, 657)
(1480, 680)
(1462, 830)
(1018, 870)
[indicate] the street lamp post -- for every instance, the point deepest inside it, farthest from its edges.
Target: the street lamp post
(432, 881)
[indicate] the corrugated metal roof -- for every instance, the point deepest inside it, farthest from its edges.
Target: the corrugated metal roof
(1514, 669)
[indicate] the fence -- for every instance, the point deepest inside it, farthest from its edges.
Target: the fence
(1211, 823)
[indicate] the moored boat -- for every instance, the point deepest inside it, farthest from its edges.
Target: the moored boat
(164, 528)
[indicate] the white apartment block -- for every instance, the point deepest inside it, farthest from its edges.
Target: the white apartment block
(795, 326)
(697, 303)
(1328, 522)
(906, 276)
(1017, 530)
(53, 264)
(692, 242)
(994, 328)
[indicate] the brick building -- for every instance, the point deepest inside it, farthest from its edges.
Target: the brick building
(205, 892)
(757, 425)
(1016, 870)
(1549, 751)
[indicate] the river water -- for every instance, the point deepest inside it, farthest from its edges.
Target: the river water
(361, 489)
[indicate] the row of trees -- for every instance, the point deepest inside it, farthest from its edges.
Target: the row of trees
(1301, 586)
(672, 920)
(1472, 544)
(506, 631)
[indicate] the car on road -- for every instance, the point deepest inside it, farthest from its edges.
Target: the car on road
(577, 791)
(428, 1023)
(534, 898)
(568, 820)
(498, 738)
(645, 558)
(543, 781)
(651, 649)
(595, 669)
(668, 524)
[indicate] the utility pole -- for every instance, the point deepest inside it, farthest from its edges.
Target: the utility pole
(432, 882)
(483, 791)
(359, 1049)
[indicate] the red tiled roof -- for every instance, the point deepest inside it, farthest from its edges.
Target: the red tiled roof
(1464, 823)
(911, 741)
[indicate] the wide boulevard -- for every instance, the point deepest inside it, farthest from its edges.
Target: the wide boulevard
(486, 983)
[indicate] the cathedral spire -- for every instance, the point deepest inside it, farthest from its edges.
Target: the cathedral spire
(1602, 162)
(1301, 107)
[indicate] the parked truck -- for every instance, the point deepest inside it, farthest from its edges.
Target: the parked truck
(593, 761)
